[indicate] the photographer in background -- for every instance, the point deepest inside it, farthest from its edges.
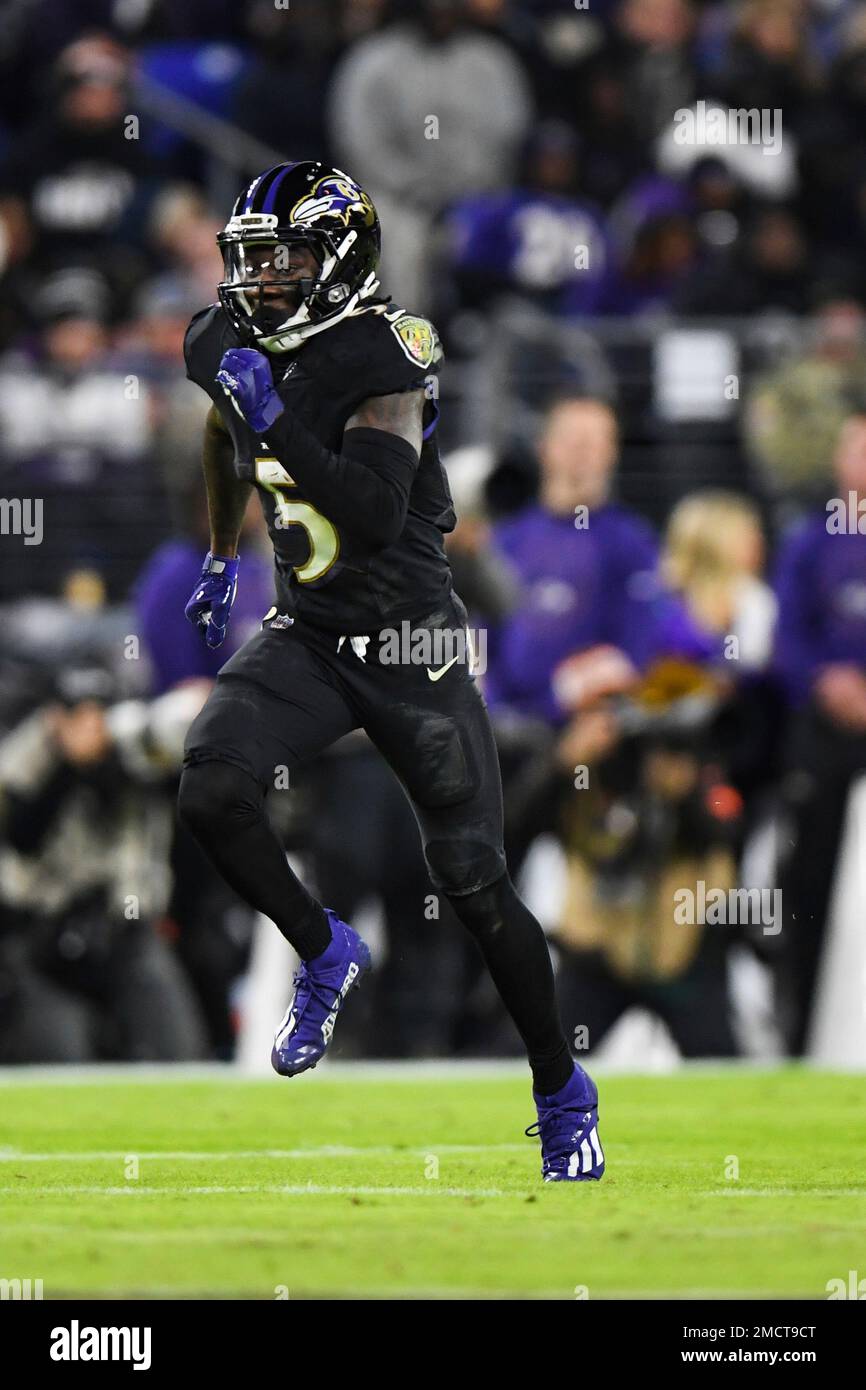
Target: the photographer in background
(84, 878)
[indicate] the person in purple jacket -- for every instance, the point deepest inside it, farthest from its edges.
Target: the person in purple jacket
(537, 241)
(588, 571)
(820, 659)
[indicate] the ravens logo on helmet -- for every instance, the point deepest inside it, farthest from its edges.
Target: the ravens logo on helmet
(300, 252)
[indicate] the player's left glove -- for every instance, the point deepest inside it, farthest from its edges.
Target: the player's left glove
(213, 596)
(245, 376)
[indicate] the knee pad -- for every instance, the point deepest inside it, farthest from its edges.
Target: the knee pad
(483, 912)
(214, 795)
(458, 864)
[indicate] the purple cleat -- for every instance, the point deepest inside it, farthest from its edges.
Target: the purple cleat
(321, 986)
(567, 1125)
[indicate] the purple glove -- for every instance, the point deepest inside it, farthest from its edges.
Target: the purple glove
(213, 597)
(245, 376)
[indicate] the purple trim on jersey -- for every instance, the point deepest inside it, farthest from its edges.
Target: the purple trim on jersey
(426, 433)
(274, 188)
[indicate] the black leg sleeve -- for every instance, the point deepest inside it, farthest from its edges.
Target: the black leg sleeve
(515, 950)
(224, 808)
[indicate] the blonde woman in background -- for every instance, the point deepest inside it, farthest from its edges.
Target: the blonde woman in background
(713, 558)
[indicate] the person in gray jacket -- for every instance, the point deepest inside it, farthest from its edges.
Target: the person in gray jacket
(427, 110)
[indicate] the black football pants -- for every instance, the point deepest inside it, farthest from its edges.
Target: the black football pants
(291, 692)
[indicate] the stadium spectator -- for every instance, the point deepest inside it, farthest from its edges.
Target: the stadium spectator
(655, 249)
(401, 104)
(821, 658)
(536, 242)
(358, 18)
(588, 618)
(149, 350)
(578, 78)
(182, 233)
(84, 878)
(653, 45)
(713, 558)
(78, 176)
(278, 100)
(769, 267)
(793, 414)
(76, 432)
(586, 566)
(769, 62)
(645, 821)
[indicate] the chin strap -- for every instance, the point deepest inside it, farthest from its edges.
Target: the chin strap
(289, 341)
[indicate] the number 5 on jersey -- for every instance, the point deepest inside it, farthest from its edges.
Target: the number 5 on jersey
(322, 535)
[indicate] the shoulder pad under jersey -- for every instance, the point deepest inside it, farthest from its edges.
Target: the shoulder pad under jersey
(384, 350)
(207, 338)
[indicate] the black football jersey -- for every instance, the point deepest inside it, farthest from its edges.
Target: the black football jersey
(325, 575)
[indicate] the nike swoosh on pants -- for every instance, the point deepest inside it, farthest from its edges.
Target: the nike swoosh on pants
(437, 675)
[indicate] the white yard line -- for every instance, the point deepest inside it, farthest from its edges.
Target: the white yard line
(431, 1188)
(210, 1155)
(136, 1189)
(787, 1192)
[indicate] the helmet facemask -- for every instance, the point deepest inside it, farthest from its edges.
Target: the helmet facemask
(281, 285)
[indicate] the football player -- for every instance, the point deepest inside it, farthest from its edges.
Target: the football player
(323, 399)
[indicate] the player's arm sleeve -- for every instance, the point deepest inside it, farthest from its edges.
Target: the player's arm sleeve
(364, 488)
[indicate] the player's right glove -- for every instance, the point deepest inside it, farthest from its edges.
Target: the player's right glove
(213, 596)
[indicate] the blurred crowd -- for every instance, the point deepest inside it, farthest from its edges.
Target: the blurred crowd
(654, 384)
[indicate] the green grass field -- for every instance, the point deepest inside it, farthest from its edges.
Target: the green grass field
(424, 1186)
